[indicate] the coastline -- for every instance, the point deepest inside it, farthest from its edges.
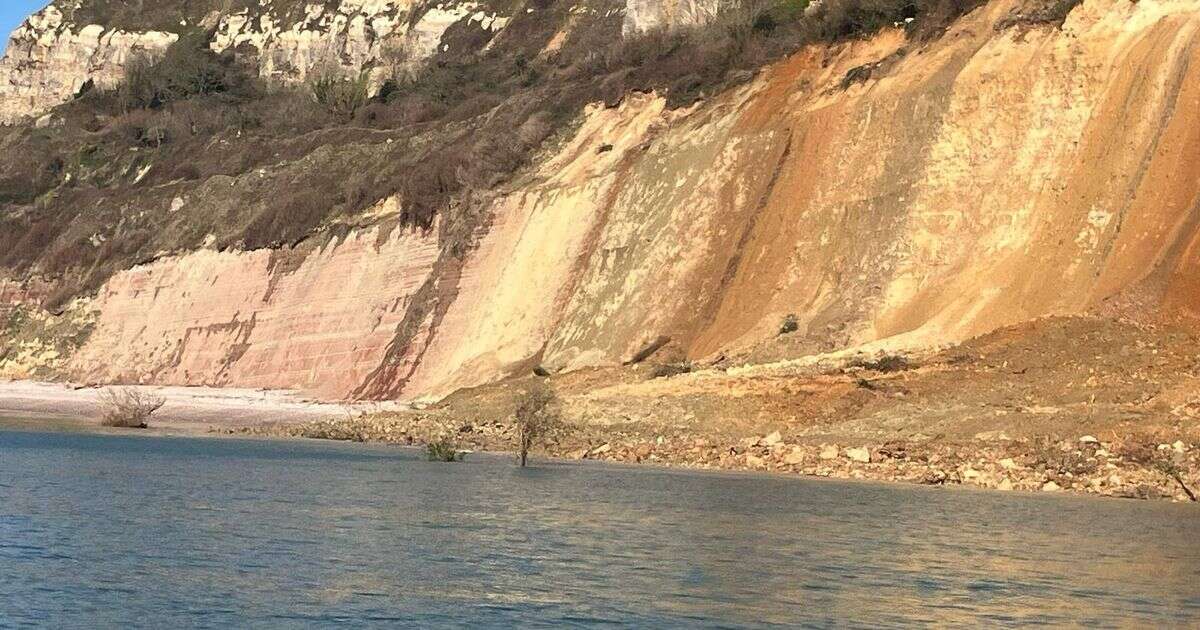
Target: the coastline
(1107, 466)
(190, 410)
(1084, 466)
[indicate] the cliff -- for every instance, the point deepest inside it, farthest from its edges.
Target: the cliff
(898, 191)
(58, 49)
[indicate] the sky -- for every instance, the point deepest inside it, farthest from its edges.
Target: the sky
(13, 12)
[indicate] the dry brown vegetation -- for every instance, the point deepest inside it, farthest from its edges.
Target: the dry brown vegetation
(259, 166)
(128, 407)
(537, 419)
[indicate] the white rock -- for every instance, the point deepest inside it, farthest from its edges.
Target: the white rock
(1005, 485)
(829, 451)
(1050, 486)
(1008, 464)
(794, 457)
(861, 455)
(1088, 439)
(772, 439)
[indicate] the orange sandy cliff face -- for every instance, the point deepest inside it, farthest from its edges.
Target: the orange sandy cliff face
(985, 178)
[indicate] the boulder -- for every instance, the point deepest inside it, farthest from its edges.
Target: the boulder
(861, 455)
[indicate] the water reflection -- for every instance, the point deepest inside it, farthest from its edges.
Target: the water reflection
(151, 531)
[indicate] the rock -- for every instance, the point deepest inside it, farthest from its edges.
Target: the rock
(1005, 485)
(829, 451)
(754, 461)
(795, 457)
(934, 478)
(1050, 486)
(1088, 439)
(990, 436)
(970, 474)
(861, 455)
(1179, 446)
(772, 439)
(602, 449)
(1008, 464)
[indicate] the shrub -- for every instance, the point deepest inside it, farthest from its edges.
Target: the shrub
(128, 407)
(443, 450)
(188, 68)
(885, 363)
(537, 419)
(790, 324)
(1052, 12)
(340, 95)
(667, 370)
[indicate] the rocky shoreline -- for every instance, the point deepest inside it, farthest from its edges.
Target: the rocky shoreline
(1126, 468)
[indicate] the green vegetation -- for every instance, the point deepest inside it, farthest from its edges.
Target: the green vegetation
(341, 96)
(443, 450)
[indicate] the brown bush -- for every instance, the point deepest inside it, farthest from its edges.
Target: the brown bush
(188, 68)
(128, 407)
(537, 419)
(342, 96)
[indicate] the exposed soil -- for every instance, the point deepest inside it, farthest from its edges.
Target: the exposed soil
(1080, 404)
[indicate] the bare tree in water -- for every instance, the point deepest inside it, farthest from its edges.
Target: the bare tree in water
(538, 419)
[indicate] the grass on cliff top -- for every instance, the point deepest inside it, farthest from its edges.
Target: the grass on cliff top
(194, 150)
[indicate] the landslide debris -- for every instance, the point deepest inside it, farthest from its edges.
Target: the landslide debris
(1079, 404)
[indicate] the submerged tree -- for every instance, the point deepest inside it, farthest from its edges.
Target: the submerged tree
(538, 419)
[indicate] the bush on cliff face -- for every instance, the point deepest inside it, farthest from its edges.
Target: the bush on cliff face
(187, 69)
(341, 96)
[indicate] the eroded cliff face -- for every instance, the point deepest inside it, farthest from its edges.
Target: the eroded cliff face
(888, 192)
